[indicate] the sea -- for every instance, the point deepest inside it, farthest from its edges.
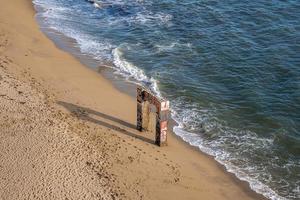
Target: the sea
(230, 68)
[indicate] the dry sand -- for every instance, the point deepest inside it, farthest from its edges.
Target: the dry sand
(67, 133)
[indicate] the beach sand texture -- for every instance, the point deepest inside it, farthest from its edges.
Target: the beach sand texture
(67, 133)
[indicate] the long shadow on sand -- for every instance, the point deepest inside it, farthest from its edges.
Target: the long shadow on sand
(84, 113)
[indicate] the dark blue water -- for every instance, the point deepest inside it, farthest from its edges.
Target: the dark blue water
(231, 70)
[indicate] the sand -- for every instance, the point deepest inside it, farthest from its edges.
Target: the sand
(68, 133)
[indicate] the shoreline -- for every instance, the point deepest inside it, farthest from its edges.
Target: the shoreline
(76, 91)
(68, 45)
(128, 88)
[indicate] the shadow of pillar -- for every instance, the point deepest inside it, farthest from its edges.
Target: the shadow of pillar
(87, 114)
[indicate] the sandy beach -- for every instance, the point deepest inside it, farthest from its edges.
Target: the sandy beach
(68, 133)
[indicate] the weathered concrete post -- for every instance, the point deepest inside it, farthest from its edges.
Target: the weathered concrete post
(161, 131)
(139, 99)
(143, 115)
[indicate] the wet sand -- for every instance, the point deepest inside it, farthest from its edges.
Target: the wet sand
(68, 133)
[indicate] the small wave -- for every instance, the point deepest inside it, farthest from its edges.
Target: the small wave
(170, 47)
(151, 18)
(88, 45)
(215, 146)
(51, 5)
(100, 50)
(97, 5)
(129, 70)
(222, 157)
(143, 19)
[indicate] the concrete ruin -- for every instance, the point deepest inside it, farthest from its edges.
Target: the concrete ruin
(152, 115)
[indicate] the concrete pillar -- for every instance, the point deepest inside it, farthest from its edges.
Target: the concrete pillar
(152, 115)
(162, 124)
(139, 112)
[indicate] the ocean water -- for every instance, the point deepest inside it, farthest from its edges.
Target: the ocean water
(231, 70)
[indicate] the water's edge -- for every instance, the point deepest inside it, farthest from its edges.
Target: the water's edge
(121, 84)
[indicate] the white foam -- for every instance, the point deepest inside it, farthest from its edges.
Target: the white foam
(126, 67)
(221, 157)
(129, 70)
(100, 50)
(213, 148)
(171, 46)
(97, 5)
(149, 17)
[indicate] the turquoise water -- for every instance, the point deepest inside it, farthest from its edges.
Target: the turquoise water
(231, 70)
